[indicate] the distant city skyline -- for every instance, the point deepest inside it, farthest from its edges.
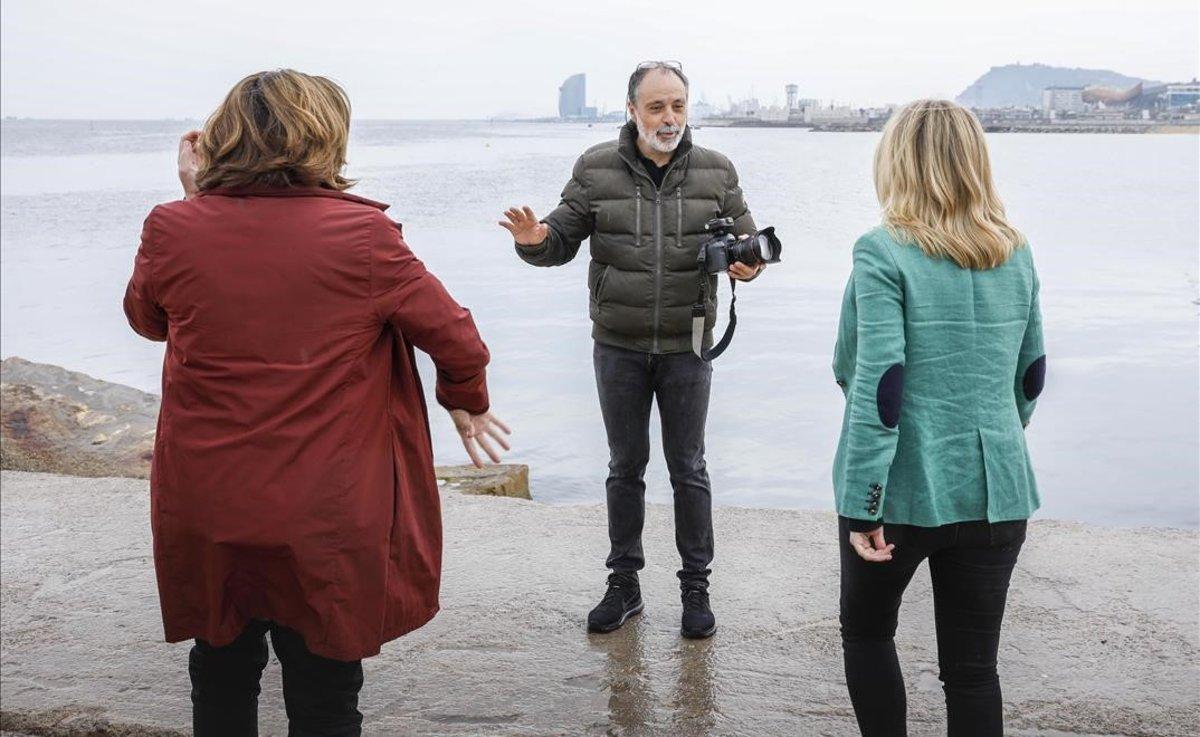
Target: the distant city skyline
(475, 59)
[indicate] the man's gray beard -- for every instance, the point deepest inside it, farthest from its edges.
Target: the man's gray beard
(650, 139)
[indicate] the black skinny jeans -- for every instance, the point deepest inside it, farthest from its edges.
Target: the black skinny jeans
(970, 564)
(319, 694)
(628, 381)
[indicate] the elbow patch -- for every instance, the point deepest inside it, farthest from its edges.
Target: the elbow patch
(1035, 379)
(889, 394)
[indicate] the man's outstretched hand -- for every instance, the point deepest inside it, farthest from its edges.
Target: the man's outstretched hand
(478, 432)
(524, 226)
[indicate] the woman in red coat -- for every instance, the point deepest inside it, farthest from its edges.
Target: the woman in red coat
(292, 489)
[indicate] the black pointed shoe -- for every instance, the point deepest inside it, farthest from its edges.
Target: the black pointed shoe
(698, 621)
(622, 600)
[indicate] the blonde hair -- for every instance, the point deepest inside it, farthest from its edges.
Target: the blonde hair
(277, 129)
(934, 182)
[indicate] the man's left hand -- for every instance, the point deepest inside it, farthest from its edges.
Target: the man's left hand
(742, 272)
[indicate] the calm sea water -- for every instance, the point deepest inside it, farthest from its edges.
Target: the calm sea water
(1113, 221)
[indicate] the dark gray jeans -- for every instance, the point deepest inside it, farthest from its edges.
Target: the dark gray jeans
(627, 382)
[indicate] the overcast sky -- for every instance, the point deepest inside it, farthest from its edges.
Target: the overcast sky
(447, 59)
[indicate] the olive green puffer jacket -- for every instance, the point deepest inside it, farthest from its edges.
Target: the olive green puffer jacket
(643, 278)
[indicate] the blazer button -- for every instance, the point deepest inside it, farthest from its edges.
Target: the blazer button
(876, 487)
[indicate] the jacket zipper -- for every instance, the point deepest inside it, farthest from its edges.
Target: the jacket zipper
(658, 246)
(637, 238)
(679, 216)
(658, 239)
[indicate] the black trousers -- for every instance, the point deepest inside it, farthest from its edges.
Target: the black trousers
(970, 564)
(319, 694)
(628, 381)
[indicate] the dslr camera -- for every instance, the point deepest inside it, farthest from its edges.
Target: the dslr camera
(723, 248)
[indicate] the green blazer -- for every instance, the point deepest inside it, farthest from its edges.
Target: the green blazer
(941, 367)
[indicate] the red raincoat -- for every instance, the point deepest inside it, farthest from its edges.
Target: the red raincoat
(293, 469)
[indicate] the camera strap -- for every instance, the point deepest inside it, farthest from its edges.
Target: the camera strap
(698, 314)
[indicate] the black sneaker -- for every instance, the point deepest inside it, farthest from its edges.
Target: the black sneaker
(622, 600)
(698, 621)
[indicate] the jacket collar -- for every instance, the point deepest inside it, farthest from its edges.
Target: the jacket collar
(627, 149)
(264, 191)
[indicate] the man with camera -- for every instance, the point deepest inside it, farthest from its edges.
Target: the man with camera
(644, 201)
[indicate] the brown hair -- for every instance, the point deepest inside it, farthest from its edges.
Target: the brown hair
(934, 181)
(277, 129)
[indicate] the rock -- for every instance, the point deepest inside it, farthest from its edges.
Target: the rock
(1100, 635)
(61, 421)
(69, 722)
(505, 479)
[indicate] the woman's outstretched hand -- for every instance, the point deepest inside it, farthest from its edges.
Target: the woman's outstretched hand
(478, 432)
(871, 546)
(189, 163)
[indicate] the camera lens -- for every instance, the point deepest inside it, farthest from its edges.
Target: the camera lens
(764, 250)
(761, 248)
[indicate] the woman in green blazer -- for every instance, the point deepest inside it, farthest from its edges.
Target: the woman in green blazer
(939, 354)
